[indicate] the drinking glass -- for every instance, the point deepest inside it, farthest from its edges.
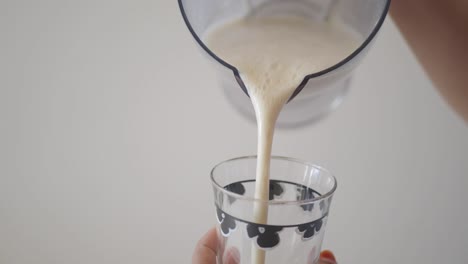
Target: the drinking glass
(298, 209)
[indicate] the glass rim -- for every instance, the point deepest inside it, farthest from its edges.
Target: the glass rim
(365, 43)
(275, 202)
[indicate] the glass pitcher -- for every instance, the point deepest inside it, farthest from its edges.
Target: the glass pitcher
(320, 92)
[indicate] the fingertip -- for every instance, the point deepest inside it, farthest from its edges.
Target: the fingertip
(327, 257)
(232, 256)
(206, 248)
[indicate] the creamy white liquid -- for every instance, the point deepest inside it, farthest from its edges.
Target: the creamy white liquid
(273, 55)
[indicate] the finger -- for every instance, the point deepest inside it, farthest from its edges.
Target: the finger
(232, 256)
(327, 257)
(206, 248)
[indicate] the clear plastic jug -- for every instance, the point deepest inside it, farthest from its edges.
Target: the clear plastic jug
(320, 92)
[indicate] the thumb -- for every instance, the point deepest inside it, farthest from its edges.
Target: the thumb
(327, 257)
(206, 249)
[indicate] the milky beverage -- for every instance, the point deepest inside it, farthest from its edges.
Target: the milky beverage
(273, 55)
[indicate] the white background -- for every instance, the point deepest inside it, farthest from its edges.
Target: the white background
(110, 121)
